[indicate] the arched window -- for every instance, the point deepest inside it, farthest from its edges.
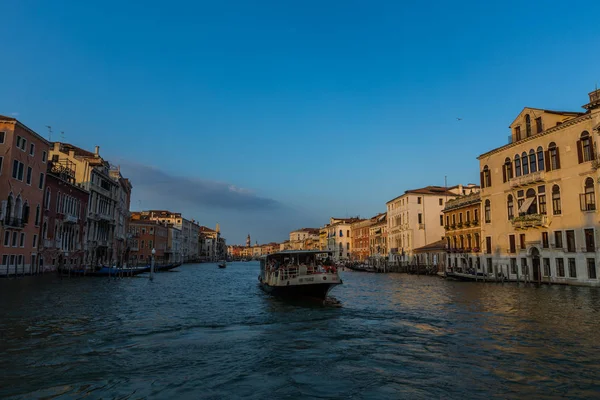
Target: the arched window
(44, 230)
(462, 242)
(37, 215)
(476, 237)
(469, 242)
(554, 157)
(527, 125)
(507, 172)
(9, 208)
(588, 199)
(585, 148)
(455, 243)
(486, 177)
(531, 198)
(532, 161)
(556, 210)
(525, 163)
(540, 157)
(488, 211)
(341, 233)
(18, 212)
(517, 165)
(510, 205)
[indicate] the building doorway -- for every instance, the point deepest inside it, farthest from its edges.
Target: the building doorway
(535, 260)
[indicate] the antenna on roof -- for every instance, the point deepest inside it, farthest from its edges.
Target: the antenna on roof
(49, 132)
(62, 136)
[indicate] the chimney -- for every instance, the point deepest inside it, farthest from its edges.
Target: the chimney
(97, 151)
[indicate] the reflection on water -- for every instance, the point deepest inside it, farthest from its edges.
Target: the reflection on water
(202, 332)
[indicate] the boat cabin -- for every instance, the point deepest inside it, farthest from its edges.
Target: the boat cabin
(295, 262)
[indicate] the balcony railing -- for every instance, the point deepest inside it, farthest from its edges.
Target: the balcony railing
(15, 223)
(530, 221)
(421, 226)
(70, 219)
(528, 179)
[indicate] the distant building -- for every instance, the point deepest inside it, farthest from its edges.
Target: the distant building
(339, 239)
(378, 236)
(147, 234)
(415, 218)
(463, 232)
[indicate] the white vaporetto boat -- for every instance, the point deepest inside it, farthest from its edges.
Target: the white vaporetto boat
(298, 274)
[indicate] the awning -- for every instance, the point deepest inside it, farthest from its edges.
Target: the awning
(526, 204)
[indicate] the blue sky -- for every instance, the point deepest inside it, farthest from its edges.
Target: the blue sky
(265, 116)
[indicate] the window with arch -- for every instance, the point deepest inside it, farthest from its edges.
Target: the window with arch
(486, 177)
(18, 212)
(532, 161)
(530, 196)
(585, 148)
(527, 125)
(588, 197)
(507, 171)
(525, 160)
(488, 211)
(540, 158)
(510, 205)
(517, 165)
(9, 208)
(556, 208)
(554, 157)
(341, 233)
(476, 239)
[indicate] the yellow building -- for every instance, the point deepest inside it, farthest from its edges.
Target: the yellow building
(463, 232)
(539, 195)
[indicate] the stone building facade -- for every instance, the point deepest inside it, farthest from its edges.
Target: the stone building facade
(539, 197)
(23, 164)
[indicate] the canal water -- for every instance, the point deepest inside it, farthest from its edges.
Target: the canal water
(204, 333)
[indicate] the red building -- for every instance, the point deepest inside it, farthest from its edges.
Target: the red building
(23, 158)
(64, 218)
(146, 235)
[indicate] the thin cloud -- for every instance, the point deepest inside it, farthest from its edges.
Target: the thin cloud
(195, 191)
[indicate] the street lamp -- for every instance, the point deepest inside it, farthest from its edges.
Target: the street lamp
(152, 265)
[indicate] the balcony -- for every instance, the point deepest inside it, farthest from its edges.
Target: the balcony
(475, 222)
(103, 216)
(14, 223)
(70, 219)
(459, 225)
(529, 179)
(530, 221)
(421, 226)
(467, 224)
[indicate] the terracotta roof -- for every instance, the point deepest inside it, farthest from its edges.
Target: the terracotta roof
(65, 147)
(439, 245)
(309, 230)
(5, 118)
(206, 229)
(433, 190)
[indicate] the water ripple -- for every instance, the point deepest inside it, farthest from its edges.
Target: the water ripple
(205, 333)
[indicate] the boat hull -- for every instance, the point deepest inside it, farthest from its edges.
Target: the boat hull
(317, 291)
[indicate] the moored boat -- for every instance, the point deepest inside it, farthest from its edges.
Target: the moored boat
(222, 264)
(298, 274)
